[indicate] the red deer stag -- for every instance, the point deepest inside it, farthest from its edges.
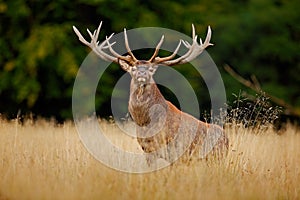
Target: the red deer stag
(163, 131)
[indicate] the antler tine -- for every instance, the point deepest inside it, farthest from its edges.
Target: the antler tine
(193, 31)
(208, 37)
(80, 37)
(113, 52)
(160, 60)
(194, 49)
(98, 30)
(127, 46)
(157, 49)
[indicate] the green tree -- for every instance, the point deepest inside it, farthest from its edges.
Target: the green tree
(40, 54)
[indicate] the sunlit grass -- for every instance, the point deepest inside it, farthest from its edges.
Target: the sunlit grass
(43, 160)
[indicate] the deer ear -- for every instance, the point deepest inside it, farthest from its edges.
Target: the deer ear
(124, 65)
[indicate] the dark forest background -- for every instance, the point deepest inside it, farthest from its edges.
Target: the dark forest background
(40, 54)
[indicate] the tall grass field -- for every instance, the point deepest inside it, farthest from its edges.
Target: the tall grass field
(44, 160)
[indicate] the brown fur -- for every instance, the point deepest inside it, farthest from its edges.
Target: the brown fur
(176, 128)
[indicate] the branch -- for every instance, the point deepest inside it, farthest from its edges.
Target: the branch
(255, 86)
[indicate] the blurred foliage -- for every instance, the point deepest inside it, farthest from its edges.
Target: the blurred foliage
(40, 54)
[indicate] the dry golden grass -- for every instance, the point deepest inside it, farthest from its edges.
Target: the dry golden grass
(43, 160)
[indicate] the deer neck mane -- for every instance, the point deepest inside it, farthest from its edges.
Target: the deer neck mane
(143, 94)
(141, 99)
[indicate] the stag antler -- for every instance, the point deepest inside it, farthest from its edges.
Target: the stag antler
(98, 49)
(194, 49)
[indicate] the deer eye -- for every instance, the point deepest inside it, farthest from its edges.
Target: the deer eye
(151, 70)
(133, 69)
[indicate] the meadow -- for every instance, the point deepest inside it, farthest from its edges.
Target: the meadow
(44, 160)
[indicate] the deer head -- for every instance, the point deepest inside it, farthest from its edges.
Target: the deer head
(142, 71)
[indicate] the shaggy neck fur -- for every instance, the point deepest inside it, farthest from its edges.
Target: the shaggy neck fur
(142, 98)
